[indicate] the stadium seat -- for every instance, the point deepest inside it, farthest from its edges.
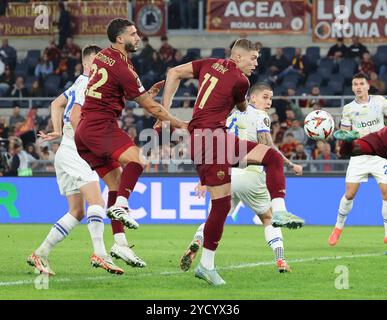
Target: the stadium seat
(51, 85)
(218, 53)
(28, 81)
(348, 91)
(21, 70)
(5, 104)
(289, 52)
(347, 68)
(193, 52)
(325, 68)
(336, 83)
(314, 79)
(326, 91)
(302, 90)
(290, 81)
(265, 54)
(383, 77)
(313, 54)
(179, 93)
(381, 55)
(32, 59)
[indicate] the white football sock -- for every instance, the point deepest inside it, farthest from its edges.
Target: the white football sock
(278, 204)
(96, 227)
(344, 208)
(58, 232)
(384, 211)
(199, 235)
(120, 239)
(208, 259)
(274, 239)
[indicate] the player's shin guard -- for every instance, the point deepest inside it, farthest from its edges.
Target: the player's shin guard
(344, 208)
(129, 177)
(274, 239)
(213, 227)
(59, 231)
(275, 177)
(95, 225)
(384, 212)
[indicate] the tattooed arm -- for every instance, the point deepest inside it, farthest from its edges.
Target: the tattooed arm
(265, 138)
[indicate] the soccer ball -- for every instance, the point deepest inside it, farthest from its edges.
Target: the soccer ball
(319, 125)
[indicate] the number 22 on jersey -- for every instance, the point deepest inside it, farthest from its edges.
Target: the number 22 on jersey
(92, 91)
(211, 86)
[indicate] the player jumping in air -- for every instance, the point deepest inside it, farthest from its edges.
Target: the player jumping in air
(363, 117)
(223, 84)
(99, 140)
(248, 185)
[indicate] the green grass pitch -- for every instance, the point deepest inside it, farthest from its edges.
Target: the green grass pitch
(244, 260)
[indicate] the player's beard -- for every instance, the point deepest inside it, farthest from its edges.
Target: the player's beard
(129, 47)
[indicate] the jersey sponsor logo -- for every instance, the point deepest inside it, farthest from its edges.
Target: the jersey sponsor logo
(362, 124)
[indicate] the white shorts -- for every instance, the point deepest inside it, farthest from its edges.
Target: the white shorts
(249, 186)
(72, 172)
(361, 166)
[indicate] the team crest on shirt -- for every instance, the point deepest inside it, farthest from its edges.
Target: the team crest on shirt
(220, 174)
(266, 121)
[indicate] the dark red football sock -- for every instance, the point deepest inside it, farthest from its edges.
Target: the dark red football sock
(213, 228)
(129, 177)
(275, 177)
(117, 226)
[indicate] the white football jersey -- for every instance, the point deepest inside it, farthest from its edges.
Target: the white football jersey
(365, 117)
(245, 125)
(74, 94)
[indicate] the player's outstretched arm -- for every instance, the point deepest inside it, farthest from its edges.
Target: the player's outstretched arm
(158, 111)
(57, 109)
(174, 76)
(266, 139)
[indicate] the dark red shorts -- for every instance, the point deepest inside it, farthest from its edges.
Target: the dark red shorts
(100, 143)
(378, 142)
(214, 152)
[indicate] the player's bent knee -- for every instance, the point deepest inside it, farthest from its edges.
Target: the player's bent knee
(256, 155)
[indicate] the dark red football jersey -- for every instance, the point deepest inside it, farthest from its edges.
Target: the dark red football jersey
(221, 86)
(378, 142)
(112, 80)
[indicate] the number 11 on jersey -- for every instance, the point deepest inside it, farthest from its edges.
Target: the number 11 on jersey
(213, 82)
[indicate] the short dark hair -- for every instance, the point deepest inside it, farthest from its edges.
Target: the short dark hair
(117, 27)
(360, 75)
(90, 50)
(260, 86)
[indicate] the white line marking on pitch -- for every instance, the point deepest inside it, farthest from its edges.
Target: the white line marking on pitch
(170, 273)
